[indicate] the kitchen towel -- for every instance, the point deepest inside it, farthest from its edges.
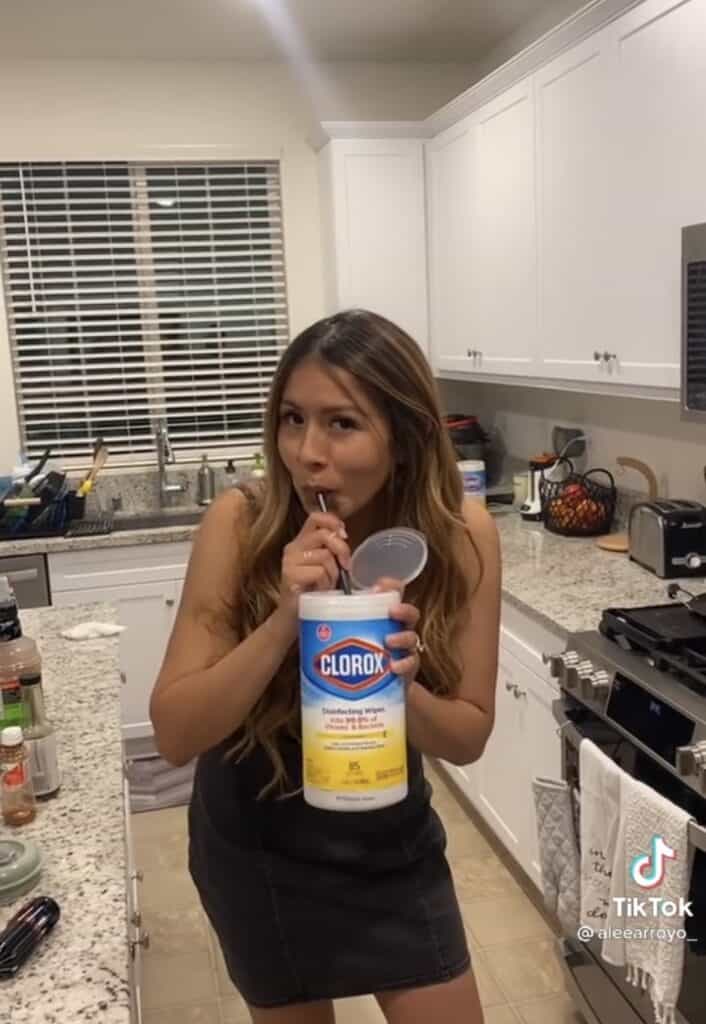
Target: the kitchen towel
(600, 810)
(91, 630)
(558, 850)
(655, 877)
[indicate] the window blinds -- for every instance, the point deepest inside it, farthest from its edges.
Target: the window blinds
(138, 292)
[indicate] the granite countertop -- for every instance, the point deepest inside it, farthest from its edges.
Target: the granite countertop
(80, 972)
(568, 581)
(565, 582)
(120, 539)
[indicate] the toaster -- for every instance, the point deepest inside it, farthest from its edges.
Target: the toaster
(668, 537)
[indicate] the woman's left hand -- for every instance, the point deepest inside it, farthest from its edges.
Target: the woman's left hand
(406, 643)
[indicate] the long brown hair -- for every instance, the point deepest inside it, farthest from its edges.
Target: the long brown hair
(424, 491)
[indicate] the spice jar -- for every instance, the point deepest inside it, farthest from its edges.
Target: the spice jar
(17, 801)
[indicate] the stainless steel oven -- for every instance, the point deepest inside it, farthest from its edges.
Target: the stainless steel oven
(600, 990)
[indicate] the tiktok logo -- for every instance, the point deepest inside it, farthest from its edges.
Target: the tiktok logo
(647, 869)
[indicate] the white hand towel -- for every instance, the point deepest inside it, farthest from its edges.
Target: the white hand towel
(653, 963)
(600, 813)
(558, 850)
(91, 630)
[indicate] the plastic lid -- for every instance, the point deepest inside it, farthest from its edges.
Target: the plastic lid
(11, 735)
(400, 553)
(20, 867)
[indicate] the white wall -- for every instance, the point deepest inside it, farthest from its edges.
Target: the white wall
(164, 110)
(648, 430)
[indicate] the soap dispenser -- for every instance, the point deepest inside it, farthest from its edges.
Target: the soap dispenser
(206, 482)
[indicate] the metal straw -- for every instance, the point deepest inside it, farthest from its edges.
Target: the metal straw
(345, 577)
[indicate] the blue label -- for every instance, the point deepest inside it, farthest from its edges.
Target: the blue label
(347, 659)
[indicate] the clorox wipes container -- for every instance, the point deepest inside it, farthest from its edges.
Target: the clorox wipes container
(354, 740)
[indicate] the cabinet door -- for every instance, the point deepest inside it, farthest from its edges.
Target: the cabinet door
(502, 284)
(501, 791)
(147, 610)
(134, 916)
(376, 195)
(541, 753)
(576, 224)
(660, 98)
(449, 177)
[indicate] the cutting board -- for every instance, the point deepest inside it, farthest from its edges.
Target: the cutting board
(620, 542)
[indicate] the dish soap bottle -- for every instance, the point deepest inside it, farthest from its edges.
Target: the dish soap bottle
(40, 739)
(206, 483)
(259, 467)
(16, 793)
(19, 658)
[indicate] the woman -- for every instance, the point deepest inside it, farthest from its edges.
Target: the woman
(312, 905)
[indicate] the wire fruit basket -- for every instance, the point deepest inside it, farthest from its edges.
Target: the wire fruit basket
(577, 505)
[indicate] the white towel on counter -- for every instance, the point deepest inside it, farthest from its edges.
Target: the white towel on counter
(558, 850)
(91, 630)
(653, 963)
(600, 814)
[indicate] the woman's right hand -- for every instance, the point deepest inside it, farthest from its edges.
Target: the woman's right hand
(309, 561)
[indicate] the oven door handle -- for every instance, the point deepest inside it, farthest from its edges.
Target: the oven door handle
(566, 728)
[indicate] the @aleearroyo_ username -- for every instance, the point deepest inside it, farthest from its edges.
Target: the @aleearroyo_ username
(585, 933)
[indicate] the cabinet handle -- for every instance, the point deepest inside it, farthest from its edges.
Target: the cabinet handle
(123, 678)
(597, 357)
(517, 692)
(510, 686)
(138, 876)
(141, 940)
(169, 602)
(136, 918)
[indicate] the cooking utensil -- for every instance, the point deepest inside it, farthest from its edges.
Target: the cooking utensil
(620, 541)
(100, 458)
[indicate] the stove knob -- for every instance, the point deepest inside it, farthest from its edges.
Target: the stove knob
(599, 683)
(559, 663)
(691, 759)
(694, 561)
(686, 762)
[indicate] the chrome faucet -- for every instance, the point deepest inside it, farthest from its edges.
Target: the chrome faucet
(165, 455)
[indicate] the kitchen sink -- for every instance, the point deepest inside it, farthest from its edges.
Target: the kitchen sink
(157, 520)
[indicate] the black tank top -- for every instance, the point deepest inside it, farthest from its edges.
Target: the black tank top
(380, 839)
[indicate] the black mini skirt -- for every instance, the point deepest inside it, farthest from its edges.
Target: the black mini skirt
(297, 925)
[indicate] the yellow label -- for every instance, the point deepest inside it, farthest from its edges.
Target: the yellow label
(355, 763)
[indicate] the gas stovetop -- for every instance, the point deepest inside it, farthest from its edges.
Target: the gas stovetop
(669, 636)
(644, 672)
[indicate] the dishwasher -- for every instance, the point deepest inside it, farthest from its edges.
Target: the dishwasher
(28, 578)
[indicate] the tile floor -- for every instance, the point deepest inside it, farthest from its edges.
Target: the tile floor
(185, 981)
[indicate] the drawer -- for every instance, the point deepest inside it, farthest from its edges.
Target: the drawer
(28, 578)
(113, 567)
(527, 639)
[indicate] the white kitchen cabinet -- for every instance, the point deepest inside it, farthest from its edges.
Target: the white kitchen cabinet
(449, 184)
(524, 742)
(137, 938)
(659, 95)
(542, 751)
(577, 153)
(147, 610)
(144, 583)
(502, 282)
(375, 229)
(500, 771)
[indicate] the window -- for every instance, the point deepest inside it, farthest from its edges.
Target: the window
(140, 292)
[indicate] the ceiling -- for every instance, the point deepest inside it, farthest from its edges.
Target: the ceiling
(317, 30)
